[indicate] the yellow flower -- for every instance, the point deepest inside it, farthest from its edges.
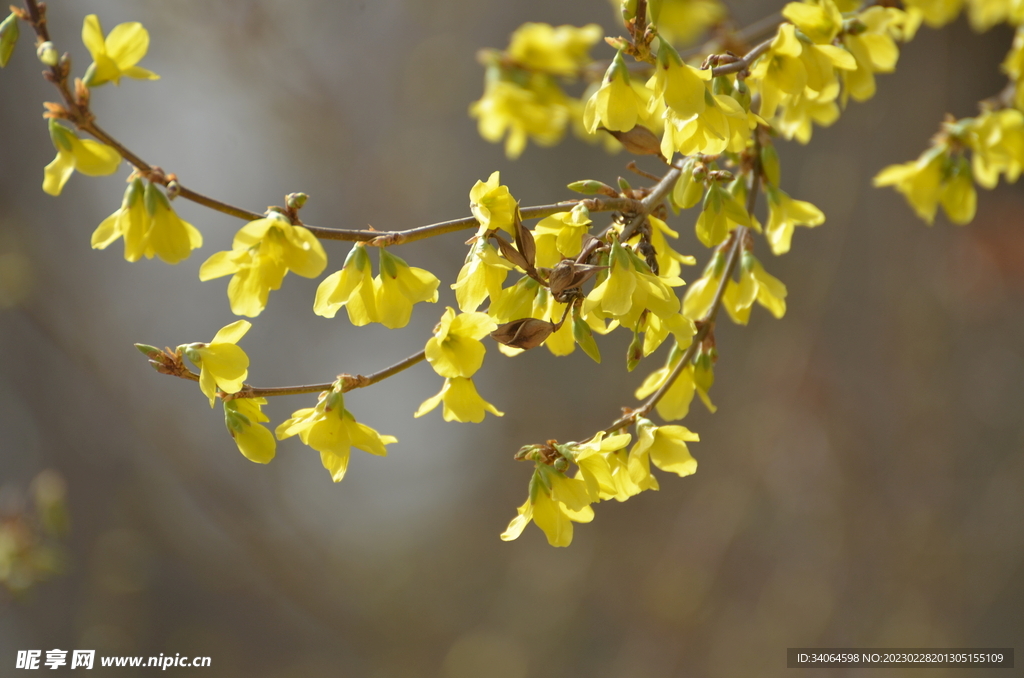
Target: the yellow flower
(264, 250)
(461, 402)
(784, 214)
(130, 222)
(455, 350)
(115, 57)
(351, 287)
(554, 504)
(722, 212)
(535, 109)
(480, 277)
(169, 237)
(755, 284)
(821, 22)
(603, 467)
(665, 446)
(85, 155)
(332, 431)
(492, 205)
(400, 286)
(997, 139)
(561, 51)
(676, 402)
(242, 417)
(222, 364)
(615, 105)
(682, 21)
(874, 49)
(566, 230)
(629, 288)
(919, 181)
(683, 88)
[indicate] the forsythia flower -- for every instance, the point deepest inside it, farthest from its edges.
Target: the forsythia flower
(561, 234)
(683, 88)
(85, 155)
(755, 284)
(554, 503)
(168, 236)
(997, 140)
(681, 21)
(461, 402)
(603, 467)
(222, 364)
(400, 286)
(676, 402)
(874, 49)
(784, 214)
(665, 447)
(242, 416)
(492, 205)
(130, 222)
(932, 179)
(629, 288)
(332, 431)
(115, 57)
(615, 105)
(264, 250)
(455, 350)
(721, 213)
(537, 110)
(480, 277)
(561, 51)
(351, 287)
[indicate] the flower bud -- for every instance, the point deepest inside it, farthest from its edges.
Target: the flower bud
(295, 201)
(592, 187)
(9, 31)
(47, 54)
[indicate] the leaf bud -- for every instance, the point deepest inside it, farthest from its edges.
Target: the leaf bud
(561, 464)
(9, 31)
(593, 187)
(173, 189)
(47, 54)
(295, 201)
(624, 186)
(635, 352)
(151, 352)
(584, 336)
(742, 94)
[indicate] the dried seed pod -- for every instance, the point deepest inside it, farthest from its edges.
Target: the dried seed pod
(525, 333)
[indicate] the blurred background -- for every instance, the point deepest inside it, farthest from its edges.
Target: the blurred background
(862, 484)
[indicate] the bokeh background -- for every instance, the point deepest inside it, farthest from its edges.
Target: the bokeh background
(861, 485)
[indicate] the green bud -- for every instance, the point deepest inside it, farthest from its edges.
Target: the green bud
(60, 135)
(721, 85)
(90, 75)
(770, 164)
(155, 198)
(335, 399)
(742, 94)
(193, 355)
(150, 352)
(635, 352)
(747, 261)
(9, 31)
(173, 189)
(593, 187)
(624, 186)
(688, 189)
(47, 54)
(561, 464)
(295, 201)
(583, 335)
